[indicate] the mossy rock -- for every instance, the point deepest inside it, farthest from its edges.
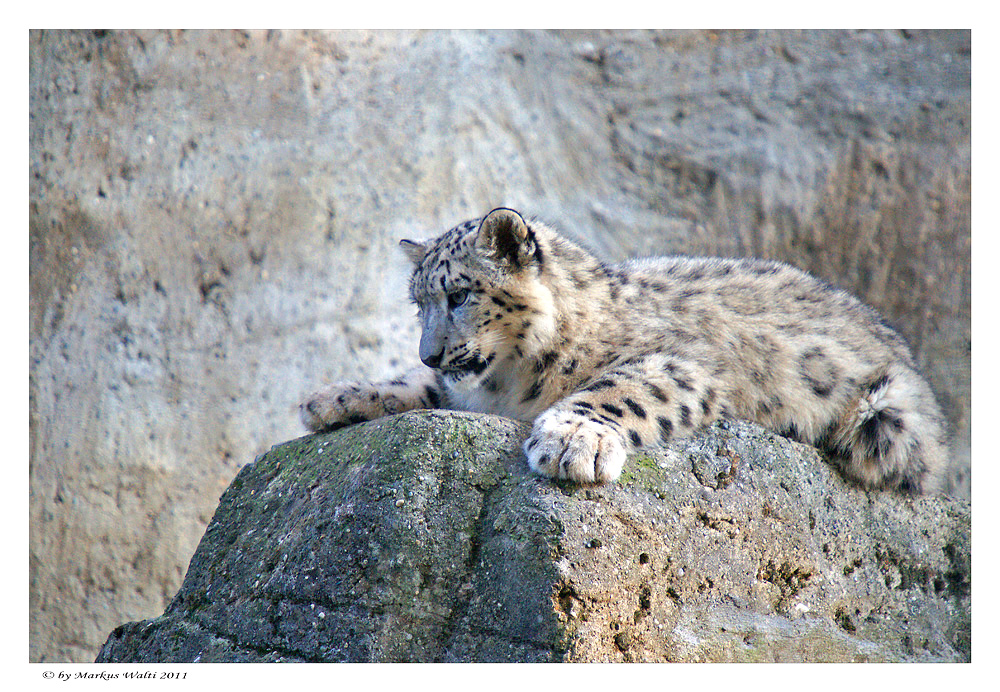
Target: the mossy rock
(424, 537)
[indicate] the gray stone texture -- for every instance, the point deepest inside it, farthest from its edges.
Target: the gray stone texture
(424, 537)
(213, 221)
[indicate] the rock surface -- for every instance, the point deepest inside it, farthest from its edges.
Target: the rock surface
(423, 537)
(214, 216)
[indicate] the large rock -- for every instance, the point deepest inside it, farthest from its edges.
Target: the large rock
(423, 537)
(214, 216)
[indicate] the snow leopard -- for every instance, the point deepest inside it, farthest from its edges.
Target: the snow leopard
(607, 359)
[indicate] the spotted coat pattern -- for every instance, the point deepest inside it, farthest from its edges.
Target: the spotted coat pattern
(609, 359)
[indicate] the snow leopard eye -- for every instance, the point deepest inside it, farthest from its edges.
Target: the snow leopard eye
(457, 298)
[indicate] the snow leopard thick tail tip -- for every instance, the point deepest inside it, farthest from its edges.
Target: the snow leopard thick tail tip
(894, 437)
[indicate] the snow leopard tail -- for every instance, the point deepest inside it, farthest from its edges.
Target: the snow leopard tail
(893, 435)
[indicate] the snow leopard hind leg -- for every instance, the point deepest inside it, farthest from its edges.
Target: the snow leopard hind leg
(892, 435)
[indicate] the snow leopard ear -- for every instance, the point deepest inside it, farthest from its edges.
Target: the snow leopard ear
(414, 250)
(505, 238)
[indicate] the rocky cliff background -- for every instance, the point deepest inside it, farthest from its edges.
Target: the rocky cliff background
(214, 219)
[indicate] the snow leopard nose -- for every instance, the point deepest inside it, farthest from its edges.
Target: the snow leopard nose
(431, 360)
(432, 340)
(431, 351)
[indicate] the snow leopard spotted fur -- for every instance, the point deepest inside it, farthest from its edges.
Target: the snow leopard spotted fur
(609, 359)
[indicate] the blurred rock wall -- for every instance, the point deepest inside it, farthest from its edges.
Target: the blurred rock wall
(214, 219)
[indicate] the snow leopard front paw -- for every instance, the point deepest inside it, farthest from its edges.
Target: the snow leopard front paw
(340, 405)
(564, 444)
